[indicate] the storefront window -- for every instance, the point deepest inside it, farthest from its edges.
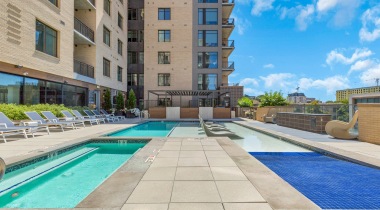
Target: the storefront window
(10, 88)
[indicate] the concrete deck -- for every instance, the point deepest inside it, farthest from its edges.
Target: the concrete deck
(354, 150)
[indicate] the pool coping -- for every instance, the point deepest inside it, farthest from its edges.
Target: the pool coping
(316, 146)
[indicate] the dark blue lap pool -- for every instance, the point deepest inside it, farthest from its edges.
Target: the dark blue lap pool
(330, 183)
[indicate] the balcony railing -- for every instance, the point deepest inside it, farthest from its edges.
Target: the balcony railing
(93, 2)
(83, 29)
(228, 43)
(228, 1)
(228, 21)
(228, 65)
(230, 84)
(83, 69)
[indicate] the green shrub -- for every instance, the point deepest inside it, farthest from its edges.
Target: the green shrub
(245, 102)
(119, 101)
(107, 100)
(79, 109)
(273, 99)
(131, 100)
(16, 112)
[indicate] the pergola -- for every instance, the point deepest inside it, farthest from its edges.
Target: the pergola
(179, 93)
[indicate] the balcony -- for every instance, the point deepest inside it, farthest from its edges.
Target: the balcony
(228, 25)
(84, 4)
(228, 6)
(227, 68)
(227, 46)
(84, 69)
(82, 33)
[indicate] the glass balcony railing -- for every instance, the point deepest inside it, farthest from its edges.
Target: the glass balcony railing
(228, 1)
(228, 43)
(228, 21)
(228, 65)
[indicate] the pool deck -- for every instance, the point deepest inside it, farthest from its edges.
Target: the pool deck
(193, 173)
(354, 150)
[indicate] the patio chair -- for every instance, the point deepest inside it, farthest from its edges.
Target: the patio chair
(219, 133)
(52, 118)
(6, 123)
(80, 116)
(112, 115)
(213, 127)
(34, 116)
(135, 111)
(92, 115)
(108, 117)
(270, 117)
(341, 130)
(12, 132)
(70, 116)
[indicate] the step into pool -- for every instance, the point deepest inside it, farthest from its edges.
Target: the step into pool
(64, 180)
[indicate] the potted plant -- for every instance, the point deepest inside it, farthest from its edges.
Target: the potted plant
(119, 104)
(131, 103)
(107, 100)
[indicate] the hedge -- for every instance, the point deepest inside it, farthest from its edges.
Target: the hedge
(16, 112)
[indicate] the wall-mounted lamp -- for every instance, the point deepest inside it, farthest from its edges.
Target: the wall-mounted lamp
(25, 73)
(97, 86)
(18, 66)
(65, 82)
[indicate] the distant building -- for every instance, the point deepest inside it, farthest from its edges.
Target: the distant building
(296, 98)
(309, 100)
(345, 94)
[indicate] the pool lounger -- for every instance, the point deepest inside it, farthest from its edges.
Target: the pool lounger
(90, 114)
(12, 132)
(80, 116)
(52, 118)
(112, 118)
(112, 115)
(70, 116)
(34, 116)
(219, 133)
(6, 123)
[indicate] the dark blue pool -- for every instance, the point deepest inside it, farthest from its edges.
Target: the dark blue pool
(330, 183)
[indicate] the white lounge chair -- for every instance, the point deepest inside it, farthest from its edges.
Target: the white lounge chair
(80, 116)
(52, 118)
(112, 115)
(68, 115)
(341, 130)
(12, 132)
(219, 133)
(135, 111)
(34, 116)
(108, 117)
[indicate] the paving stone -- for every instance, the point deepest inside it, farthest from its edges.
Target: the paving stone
(145, 207)
(192, 147)
(192, 162)
(198, 154)
(212, 147)
(191, 143)
(228, 173)
(176, 143)
(168, 154)
(220, 161)
(164, 162)
(195, 206)
(193, 173)
(216, 154)
(151, 192)
(246, 206)
(195, 191)
(238, 191)
(171, 147)
(160, 173)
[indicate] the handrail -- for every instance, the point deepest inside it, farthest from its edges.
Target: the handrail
(2, 168)
(229, 1)
(228, 65)
(92, 2)
(228, 21)
(228, 43)
(84, 69)
(83, 29)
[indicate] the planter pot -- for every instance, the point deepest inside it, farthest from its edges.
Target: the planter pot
(130, 115)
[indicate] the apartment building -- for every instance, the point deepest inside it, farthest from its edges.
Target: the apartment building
(186, 50)
(62, 51)
(297, 98)
(345, 94)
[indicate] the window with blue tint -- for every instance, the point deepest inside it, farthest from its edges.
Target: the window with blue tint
(53, 93)
(207, 38)
(164, 13)
(34, 91)
(207, 81)
(207, 60)
(208, 16)
(10, 89)
(207, 1)
(46, 39)
(163, 35)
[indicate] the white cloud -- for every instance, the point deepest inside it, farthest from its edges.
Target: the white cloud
(330, 84)
(260, 6)
(252, 92)
(362, 65)
(336, 56)
(344, 11)
(233, 75)
(278, 80)
(249, 82)
(369, 77)
(370, 30)
(305, 17)
(325, 5)
(241, 24)
(268, 66)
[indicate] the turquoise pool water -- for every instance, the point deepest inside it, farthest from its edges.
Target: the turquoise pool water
(149, 129)
(64, 181)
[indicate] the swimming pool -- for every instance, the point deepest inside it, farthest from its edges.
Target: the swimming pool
(64, 180)
(148, 129)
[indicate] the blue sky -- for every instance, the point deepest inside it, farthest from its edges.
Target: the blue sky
(318, 45)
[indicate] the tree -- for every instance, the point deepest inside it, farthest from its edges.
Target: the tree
(314, 108)
(119, 101)
(245, 102)
(343, 111)
(107, 99)
(273, 99)
(131, 100)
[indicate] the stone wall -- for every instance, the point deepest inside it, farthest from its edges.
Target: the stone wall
(369, 123)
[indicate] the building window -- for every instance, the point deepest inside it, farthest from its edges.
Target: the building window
(132, 57)
(141, 36)
(132, 79)
(141, 79)
(132, 14)
(163, 35)
(208, 16)
(119, 74)
(207, 81)
(163, 79)
(120, 21)
(132, 36)
(106, 67)
(163, 57)
(164, 13)
(55, 2)
(207, 38)
(46, 39)
(141, 57)
(106, 36)
(107, 6)
(120, 47)
(208, 60)
(208, 1)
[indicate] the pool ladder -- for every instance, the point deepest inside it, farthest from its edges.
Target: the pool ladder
(2, 168)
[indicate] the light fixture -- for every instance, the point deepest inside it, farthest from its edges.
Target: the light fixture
(18, 66)
(97, 86)
(25, 73)
(65, 82)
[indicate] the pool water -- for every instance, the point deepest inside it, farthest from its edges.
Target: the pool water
(330, 183)
(67, 183)
(149, 129)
